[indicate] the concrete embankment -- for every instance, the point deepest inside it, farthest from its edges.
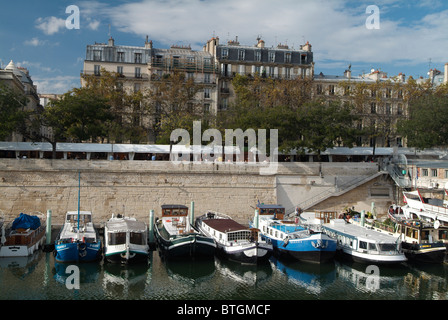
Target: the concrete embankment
(135, 187)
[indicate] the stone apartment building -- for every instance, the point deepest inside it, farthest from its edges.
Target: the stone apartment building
(281, 62)
(215, 66)
(19, 79)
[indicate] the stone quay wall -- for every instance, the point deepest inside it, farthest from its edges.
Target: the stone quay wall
(134, 188)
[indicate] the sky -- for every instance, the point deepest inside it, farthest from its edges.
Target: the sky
(394, 36)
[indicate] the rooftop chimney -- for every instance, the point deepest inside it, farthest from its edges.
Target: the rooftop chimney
(348, 74)
(307, 46)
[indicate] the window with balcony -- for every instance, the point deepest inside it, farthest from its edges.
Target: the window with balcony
(138, 72)
(138, 58)
(97, 70)
(207, 93)
(97, 55)
(206, 77)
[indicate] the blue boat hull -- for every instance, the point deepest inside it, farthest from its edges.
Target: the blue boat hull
(317, 248)
(78, 252)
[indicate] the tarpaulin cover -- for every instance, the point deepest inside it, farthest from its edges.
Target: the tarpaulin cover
(25, 221)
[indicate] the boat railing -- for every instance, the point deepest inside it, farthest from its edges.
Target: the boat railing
(381, 226)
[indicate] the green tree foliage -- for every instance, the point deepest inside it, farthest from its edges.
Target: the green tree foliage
(83, 116)
(126, 105)
(426, 126)
(286, 105)
(174, 102)
(325, 125)
(12, 112)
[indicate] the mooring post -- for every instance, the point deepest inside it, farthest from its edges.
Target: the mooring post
(192, 213)
(151, 227)
(256, 218)
(48, 234)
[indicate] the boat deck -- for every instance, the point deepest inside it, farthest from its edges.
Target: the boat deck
(125, 224)
(356, 231)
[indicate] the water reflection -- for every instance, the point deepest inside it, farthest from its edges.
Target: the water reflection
(125, 281)
(40, 277)
(249, 274)
(191, 271)
(314, 278)
(21, 267)
(88, 272)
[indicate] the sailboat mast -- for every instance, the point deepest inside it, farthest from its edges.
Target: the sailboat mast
(79, 197)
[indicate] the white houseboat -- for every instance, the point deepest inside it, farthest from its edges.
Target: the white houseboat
(233, 240)
(125, 240)
(364, 245)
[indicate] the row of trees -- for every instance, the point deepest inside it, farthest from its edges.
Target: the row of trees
(103, 111)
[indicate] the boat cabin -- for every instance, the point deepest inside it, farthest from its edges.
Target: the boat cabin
(273, 210)
(126, 230)
(325, 216)
(174, 210)
(357, 238)
(70, 232)
(417, 231)
(175, 218)
(228, 231)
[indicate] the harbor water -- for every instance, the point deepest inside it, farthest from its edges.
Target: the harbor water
(41, 278)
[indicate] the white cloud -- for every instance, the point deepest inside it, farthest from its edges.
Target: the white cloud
(50, 25)
(56, 85)
(93, 25)
(36, 65)
(35, 42)
(335, 28)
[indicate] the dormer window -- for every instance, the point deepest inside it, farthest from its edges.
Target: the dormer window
(241, 54)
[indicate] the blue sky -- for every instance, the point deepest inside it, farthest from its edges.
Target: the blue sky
(412, 35)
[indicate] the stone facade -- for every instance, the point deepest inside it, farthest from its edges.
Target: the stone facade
(135, 187)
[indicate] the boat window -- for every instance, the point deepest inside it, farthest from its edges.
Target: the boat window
(362, 245)
(86, 218)
(138, 237)
(90, 240)
(241, 235)
(117, 238)
(372, 247)
(443, 234)
(425, 235)
(387, 246)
